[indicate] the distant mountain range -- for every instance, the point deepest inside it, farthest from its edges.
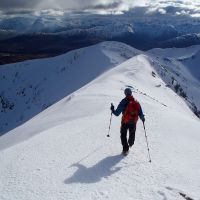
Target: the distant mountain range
(29, 36)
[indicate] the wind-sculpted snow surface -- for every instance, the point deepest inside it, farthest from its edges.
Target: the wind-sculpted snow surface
(70, 156)
(29, 87)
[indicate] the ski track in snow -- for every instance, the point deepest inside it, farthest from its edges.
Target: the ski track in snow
(73, 158)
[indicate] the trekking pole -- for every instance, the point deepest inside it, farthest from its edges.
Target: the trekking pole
(147, 142)
(109, 125)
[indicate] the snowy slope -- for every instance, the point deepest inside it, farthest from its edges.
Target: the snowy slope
(29, 87)
(70, 156)
(180, 70)
(182, 41)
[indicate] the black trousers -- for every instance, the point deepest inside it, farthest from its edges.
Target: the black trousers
(131, 127)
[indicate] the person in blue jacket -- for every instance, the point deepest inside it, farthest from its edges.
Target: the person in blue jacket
(130, 109)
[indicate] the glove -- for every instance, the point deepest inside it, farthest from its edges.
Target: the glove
(143, 119)
(112, 108)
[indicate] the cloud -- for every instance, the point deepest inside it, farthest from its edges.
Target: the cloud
(69, 4)
(113, 5)
(18, 4)
(174, 7)
(151, 7)
(57, 4)
(162, 11)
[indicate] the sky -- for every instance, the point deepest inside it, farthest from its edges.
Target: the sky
(69, 4)
(179, 7)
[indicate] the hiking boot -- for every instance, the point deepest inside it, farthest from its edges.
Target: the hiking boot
(130, 145)
(125, 153)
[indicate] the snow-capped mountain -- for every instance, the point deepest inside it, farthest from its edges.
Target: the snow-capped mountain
(25, 86)
(18, 23)
(81, 30)
(182, 41)
(29, 87)
(102, 25)
(179, 68)
(70, 156)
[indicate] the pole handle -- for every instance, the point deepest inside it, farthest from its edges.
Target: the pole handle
(144, 126)
(108, 135)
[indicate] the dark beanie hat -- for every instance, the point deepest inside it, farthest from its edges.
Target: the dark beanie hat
(128, 92)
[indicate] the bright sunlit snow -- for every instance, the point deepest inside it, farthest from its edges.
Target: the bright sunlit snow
(63, 152)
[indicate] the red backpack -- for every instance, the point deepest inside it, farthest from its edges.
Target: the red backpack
(132, 110)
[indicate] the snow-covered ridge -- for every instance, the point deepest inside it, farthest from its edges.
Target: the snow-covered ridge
(28, 88)
(63, 152)
(179, 68)
(182, 41)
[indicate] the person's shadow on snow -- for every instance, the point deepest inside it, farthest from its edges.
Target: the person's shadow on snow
(103, 168)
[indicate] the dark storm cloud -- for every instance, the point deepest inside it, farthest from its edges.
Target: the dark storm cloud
(51, 4)
(108, 6)
(145, 7)
(17, 4)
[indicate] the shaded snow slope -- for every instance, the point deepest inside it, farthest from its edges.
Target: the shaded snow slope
(182, 41)
(70, 156)
(29, 87)
(180, 70)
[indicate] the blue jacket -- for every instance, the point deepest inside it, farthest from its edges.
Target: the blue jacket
(122, 107)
